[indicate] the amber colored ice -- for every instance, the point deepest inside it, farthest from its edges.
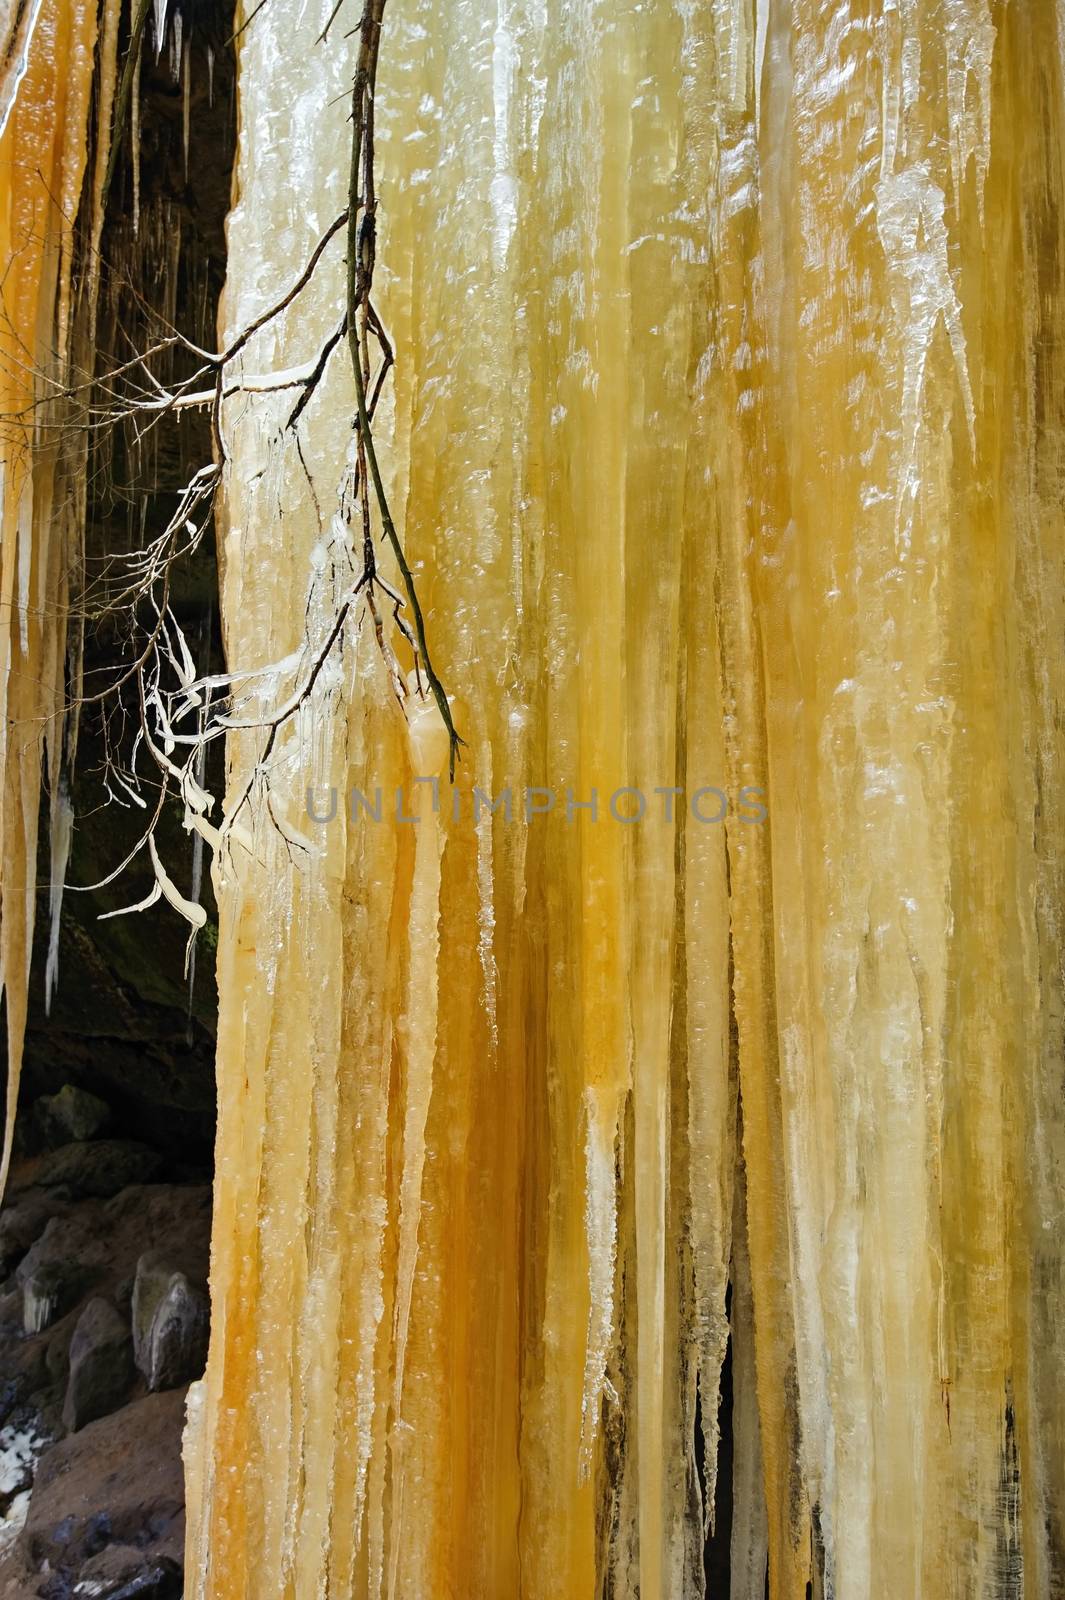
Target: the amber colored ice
(46, 74)
(727, 441)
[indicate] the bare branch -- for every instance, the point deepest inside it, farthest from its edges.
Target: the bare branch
(361, 252)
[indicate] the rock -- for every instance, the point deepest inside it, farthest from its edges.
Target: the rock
(171, 1322)
(101, 1168)
(117, 1482)
(23, 1374)
(71, 1114)
(49, 1290)
(122, 1572)
(101, 1365)
(94, 1247)
(171, 1217)
(106, 1237)
(23, 1220)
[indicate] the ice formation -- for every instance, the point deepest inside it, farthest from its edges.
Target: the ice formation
(726, 441)
(46, 75)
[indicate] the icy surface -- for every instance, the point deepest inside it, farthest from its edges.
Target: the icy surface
(45, 103)
(725, 440)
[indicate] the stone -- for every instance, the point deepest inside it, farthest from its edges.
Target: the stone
(117, 1482)
(49, 1290)
(24, 1374)
(122, 1572)
(72, 1114)
(94, 1247)
(100, 1168)
(171, 1322)
(22, 1221)
(101, 1365)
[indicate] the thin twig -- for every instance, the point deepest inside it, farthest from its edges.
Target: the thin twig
(275, 310)
(311, 382)
(245, 24)
(362, 208)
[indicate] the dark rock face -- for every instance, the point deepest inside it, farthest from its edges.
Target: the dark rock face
(108, 1503)
(171, 1323)
(101, 1169)
(51, 1285)
(23, 1220)
(72, 1114)
(101, 1365)
(121, 1572)
(105, 1515)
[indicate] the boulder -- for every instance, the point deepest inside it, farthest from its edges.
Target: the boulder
(122, 1572)
(171, 1322)
(101, 1365)
(22, 1221)
(50, 1288)
(101, 1168)
(114, 1485)
(117, 1481)
(94, 1247)
(72, 1114)
(25, 1379)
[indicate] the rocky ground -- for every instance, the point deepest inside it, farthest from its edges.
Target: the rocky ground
(103, 1324)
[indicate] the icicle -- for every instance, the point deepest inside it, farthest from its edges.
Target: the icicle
(46, 97)
(750, 1537)
(199, 774)
(108, 51)
(910, 213)
(711, 1088)
(479, 1186)
(969, 36)
(176, 56)
(135, 146)
(25, 564)
(61, 833)
(159, 13)
(16, 39)
(733, 44)
(429, 755)
(186, 101)
(761, 40)
(600, 1224)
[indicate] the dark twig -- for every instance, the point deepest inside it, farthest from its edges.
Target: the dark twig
(300, 284)
(248, 20)
(362, 208)
(332, 18)
(311, 382)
